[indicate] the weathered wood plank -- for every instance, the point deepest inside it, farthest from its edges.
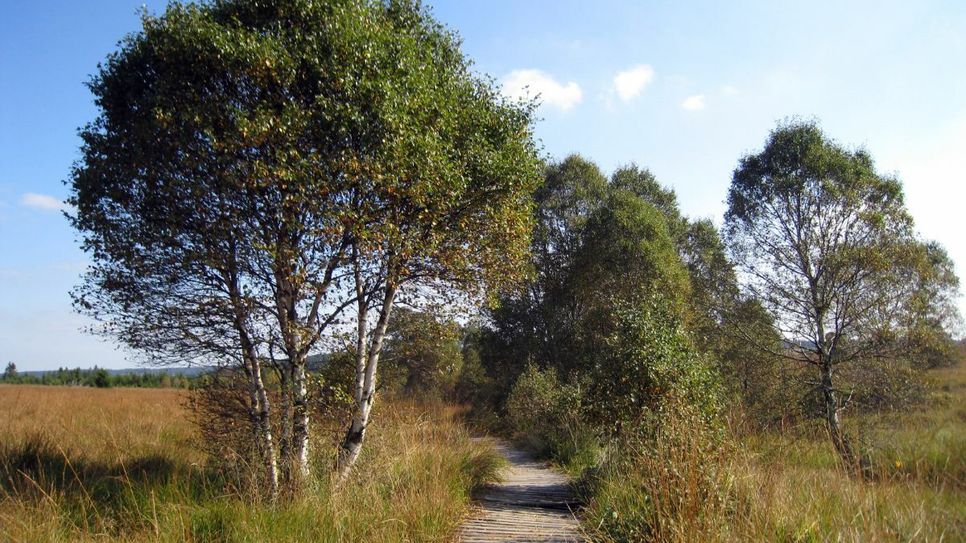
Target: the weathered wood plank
(532, 504)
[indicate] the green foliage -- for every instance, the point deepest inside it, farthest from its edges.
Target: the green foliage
(446, 196)
(628, 253)
(250, 159)
(714, 288)
(596, 244)
(547, 415)
(645, 363)
(827, 244)
(235, 138)
(753, 373)
(422, 354)
(640, 373)
(642, 184)
(101, 378)
(932, 312)
(472, 379)
(829, 250)
(572, 190)
(530, 323)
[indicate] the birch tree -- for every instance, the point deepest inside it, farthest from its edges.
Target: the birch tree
(212, 193)
(445, 208)
(827, 246)
(258, 168)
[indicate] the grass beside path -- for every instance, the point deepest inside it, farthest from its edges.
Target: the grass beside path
(80, 464)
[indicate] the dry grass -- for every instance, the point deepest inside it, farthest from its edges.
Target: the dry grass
(108, 424)
(795, 489)
(120, 465)
(790, 486)
(677, 485)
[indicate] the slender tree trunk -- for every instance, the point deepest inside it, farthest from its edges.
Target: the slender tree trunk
(833, 420)
(258, 394)
(300, 413)
(362, 342)
(365, 394)
(254, 405)
(285, 438)
(263, 417)
(298, 461)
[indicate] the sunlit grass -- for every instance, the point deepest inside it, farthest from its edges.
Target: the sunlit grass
(119, 464)
(795, 490)
(790, 486)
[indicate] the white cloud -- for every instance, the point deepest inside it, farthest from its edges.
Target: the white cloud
(42, 201)
(693, 103)
(729, 90)
(525, 84)
(628, 84)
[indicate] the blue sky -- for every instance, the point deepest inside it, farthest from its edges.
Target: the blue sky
(683, 88)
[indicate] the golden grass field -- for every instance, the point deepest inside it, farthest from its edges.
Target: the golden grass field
(112, 424)
(81, 464)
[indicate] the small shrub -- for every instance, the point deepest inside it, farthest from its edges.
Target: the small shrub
(546, 414)
(220, 410)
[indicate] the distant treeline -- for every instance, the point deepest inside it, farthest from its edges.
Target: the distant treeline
(99, 378)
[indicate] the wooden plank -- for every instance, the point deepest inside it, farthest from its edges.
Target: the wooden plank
(533, 503)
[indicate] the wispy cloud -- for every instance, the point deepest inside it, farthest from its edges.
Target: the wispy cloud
(729, 90)
(43, 202)
(526, 84)
(10, 274)
(693, 103)
(629, 84)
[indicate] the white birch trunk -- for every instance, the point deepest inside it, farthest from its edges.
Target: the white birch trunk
(257, 393)
(263, 423)
(285, 438)
(300, 435)
(368, 361)
(833, 422)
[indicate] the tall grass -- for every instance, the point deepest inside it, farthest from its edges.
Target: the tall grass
(793, 489)
(675, 484)
(120, 465)
(687, 485)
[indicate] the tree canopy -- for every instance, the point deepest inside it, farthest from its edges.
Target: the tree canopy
(611, 309)
(257, 169)
(826, 244)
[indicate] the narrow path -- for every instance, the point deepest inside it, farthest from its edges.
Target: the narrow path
(532, 504)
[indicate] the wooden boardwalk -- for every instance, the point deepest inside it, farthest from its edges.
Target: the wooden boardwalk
(532, 504)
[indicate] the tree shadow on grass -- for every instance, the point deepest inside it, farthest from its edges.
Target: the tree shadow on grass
(93, 493)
